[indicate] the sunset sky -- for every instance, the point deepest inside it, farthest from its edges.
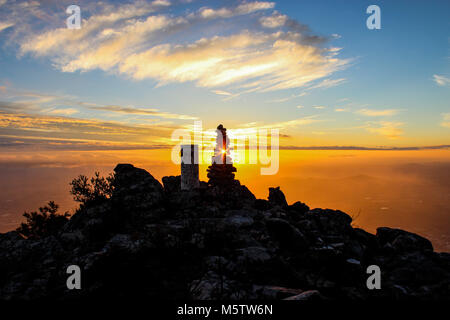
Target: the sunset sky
(363, 115)
(137, 70)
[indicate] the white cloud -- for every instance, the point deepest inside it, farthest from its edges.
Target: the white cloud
(377, 113)
(319, 107)
(220, 61)
(64, 112)
(250, 7)
(222, 93)
(441, 80)
(164, 3)
(5, 25)
(445, 120)
(135, 42)
(328, 83)
(282, 124)
(300, 107)
(390, 130)
(336, 36)
(274, 21)
(242, 9)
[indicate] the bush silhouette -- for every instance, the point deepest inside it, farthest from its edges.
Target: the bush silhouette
(97, 188)
(44, 223)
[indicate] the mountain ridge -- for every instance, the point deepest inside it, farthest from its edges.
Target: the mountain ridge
(153, 240)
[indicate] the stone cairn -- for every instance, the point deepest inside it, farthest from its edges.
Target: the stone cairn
(221, 171)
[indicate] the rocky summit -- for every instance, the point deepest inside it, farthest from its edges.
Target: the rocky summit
(148, 240)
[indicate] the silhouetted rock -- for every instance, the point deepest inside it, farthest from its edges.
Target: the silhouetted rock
(277, 198)
(151, 242)
(136, 192)
(402, 241)
(286, 234)
(136, 187)
(172, 184)
(306, 296)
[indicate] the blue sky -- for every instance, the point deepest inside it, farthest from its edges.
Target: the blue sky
(387, 87)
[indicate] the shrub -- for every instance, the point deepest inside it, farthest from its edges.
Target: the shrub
(44, 223)
(97, 188)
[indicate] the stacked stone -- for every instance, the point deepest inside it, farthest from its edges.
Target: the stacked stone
(221, 171)
(221, 174)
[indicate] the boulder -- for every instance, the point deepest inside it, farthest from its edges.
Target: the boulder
(309, 295)
(136, 196)
(331, 221)
(261, 204)
(135, 187)
(288, 235)
(255, 254)
(402, 241)
(297, 210)
(239, 221)
(275, 292)
(172, 184)
(277, 198)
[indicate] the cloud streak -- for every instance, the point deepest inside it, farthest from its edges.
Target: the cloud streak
(445, 120)
(16, 100)
(388, 129)
(377, 113)
(442, 81)
(141, 111)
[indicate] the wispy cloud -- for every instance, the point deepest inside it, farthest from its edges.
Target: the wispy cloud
(139, 42)
(328, 83)
(445, 120)
(290, 97)
(142, 111)
(5, 25)
(377, 113)
(64, 112)
(62, 127)
(242, 9)
(442, 81)
(386, 148)
(274, 21)
(17, 100)
(319, 107)
(282, 124)
(387, 129)
(222, 93)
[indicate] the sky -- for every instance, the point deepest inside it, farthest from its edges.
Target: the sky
(138, 70)
(363, 114)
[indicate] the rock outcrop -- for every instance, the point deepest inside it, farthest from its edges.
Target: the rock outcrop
(158, 242)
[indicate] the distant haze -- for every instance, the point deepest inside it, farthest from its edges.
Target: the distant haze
(404, 189)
